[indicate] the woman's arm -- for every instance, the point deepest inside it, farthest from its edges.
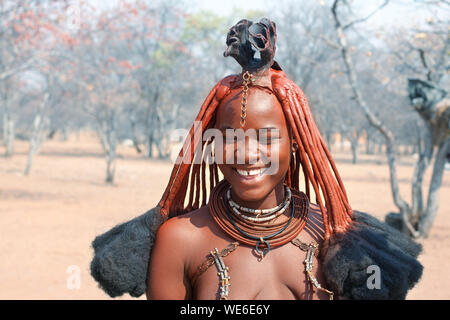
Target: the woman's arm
(167, 277)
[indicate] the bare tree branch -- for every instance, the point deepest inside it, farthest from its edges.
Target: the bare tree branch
(348, 25)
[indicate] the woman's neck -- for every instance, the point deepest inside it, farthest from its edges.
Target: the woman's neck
(271, 200)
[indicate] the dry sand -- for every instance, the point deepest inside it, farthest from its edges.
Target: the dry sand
(49, 218)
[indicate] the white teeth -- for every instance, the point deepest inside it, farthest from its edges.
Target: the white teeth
(249, 172)
(242, 172)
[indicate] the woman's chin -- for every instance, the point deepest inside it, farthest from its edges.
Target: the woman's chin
(250, 194)
(251, 188)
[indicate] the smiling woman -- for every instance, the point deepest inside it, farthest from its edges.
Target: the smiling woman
(257, 214)
(243, 170)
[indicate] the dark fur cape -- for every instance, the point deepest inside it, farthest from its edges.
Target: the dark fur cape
(369, 242)
(121, 258)
(121, 255)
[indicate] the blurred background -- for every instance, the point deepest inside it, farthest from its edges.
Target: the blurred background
(90, 92)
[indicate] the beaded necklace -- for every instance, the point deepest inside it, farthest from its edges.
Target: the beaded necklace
(262, 236)
(262, 215)
(261, 239)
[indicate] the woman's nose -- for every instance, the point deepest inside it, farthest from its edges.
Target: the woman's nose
(248, 151)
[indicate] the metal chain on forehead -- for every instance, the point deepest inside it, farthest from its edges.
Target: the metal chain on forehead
(247, 77)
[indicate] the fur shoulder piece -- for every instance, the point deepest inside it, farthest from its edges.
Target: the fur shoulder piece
(121, 258)
(121, 255)
(370, 246)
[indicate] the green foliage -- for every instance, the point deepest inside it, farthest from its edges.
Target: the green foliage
(202, 25)
(164, 56)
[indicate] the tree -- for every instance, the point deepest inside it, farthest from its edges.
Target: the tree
(19, 33)
(414, 219)
(102, 79)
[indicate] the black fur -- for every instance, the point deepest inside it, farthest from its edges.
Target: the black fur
(121, 258)
(121, 255)
(346, 257)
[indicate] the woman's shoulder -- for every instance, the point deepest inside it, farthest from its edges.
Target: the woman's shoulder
(186, 227)
(314, 228)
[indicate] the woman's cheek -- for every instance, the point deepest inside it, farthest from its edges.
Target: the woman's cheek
(223, 152)
(229, 153)
(277, 155)
(270, 156)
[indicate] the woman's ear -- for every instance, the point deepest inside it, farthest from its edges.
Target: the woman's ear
(294, 145)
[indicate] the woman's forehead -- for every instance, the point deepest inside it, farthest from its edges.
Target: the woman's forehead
(263, 110)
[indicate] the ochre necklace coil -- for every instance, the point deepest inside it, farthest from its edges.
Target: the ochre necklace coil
(218, 209)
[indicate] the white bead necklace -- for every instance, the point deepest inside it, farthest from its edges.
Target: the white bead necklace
(267, 214)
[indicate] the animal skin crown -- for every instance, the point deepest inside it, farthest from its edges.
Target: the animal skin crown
(246, 38)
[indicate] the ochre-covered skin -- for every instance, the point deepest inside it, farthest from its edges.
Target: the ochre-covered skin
(190, 233)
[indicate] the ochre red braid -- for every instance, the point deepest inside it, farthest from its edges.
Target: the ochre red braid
(326, 156)
(183, 165)
(317, 165)
(281, 95)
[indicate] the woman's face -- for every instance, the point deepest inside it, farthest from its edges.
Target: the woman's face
(256, 156)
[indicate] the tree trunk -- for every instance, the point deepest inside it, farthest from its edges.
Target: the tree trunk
(435, 185)
(162, 152)
(369, 144)
(155, 137)
(8, 134)
(41, 121)
(164, 124)
(65, 133)
(109, 143)
(36, 139)
(354, 141)
(132, 118)
(405, 210)
(417, 193)
(150, 143)
(110, 167)
(151, 123)
(425, 156)
(354, 152)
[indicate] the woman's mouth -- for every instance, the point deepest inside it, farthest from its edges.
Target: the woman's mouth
(250, 173)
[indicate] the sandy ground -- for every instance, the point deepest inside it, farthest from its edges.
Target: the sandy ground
(49, 218)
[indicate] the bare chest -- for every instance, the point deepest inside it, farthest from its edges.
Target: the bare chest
(279, 275)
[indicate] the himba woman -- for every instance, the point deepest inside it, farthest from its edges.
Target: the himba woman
(255, 234)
